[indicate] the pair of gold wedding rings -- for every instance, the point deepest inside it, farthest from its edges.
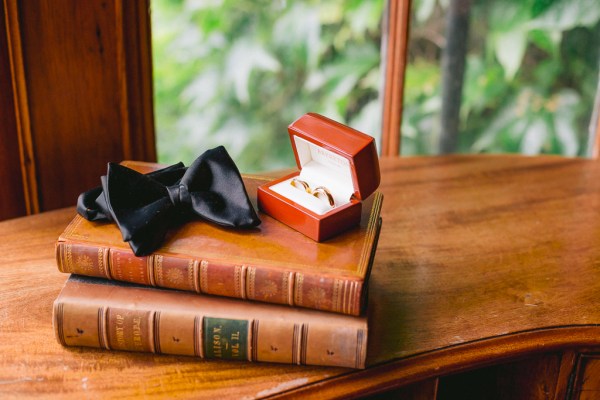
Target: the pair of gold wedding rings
(320, 192)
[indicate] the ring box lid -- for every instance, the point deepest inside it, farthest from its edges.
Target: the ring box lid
(343, 159)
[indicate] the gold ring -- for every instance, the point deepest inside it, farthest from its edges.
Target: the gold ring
(295, 182)
(323, 190)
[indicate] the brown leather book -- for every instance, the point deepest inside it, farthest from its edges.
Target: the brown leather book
(271, 263)
(119, 316)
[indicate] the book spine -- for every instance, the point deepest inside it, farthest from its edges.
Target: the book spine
(184, 333)
(249, 282)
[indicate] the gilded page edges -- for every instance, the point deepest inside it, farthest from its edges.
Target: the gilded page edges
(70, 229)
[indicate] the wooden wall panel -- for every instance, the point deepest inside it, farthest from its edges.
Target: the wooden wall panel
(83, 79)
(12, 201)
(587, 379)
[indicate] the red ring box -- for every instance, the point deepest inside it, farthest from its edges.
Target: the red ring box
(331, 155)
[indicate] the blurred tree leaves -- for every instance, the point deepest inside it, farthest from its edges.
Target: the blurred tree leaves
(239, 72)
(531, 78)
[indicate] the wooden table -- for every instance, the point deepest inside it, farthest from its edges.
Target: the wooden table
(487, 277)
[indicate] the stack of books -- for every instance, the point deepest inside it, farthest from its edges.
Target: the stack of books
(266, 294)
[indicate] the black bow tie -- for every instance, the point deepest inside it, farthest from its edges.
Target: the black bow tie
(145, 206)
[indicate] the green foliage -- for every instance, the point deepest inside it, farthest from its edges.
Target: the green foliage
(238, 72)
(530, 81)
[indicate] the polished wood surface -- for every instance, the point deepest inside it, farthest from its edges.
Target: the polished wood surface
(485, 263)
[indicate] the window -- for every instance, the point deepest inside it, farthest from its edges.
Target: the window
(475, 76)
(238, 72)
(501, 76)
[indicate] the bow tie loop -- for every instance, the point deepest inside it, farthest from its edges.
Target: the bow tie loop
(180, 196)
(145, 206)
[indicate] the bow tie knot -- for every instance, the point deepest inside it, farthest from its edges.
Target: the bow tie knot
(180, 195)
(145, 206)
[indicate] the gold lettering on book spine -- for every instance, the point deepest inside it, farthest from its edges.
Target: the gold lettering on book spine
(120, 330)
(137, 333)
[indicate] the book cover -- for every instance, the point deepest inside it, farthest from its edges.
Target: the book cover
(271, 263)
(94, 312)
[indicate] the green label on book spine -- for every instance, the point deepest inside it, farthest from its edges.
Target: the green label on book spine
(226, 338)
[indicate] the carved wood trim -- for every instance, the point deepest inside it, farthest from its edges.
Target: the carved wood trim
(453, 359)
(567, 365)
(19, 83)
(134, 60)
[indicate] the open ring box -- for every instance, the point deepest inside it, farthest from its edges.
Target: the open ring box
(329, 155)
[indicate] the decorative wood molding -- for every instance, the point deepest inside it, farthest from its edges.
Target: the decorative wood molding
(567, 365)
(395, 47)
(453, 359)
(19, 80)
(135, 75)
